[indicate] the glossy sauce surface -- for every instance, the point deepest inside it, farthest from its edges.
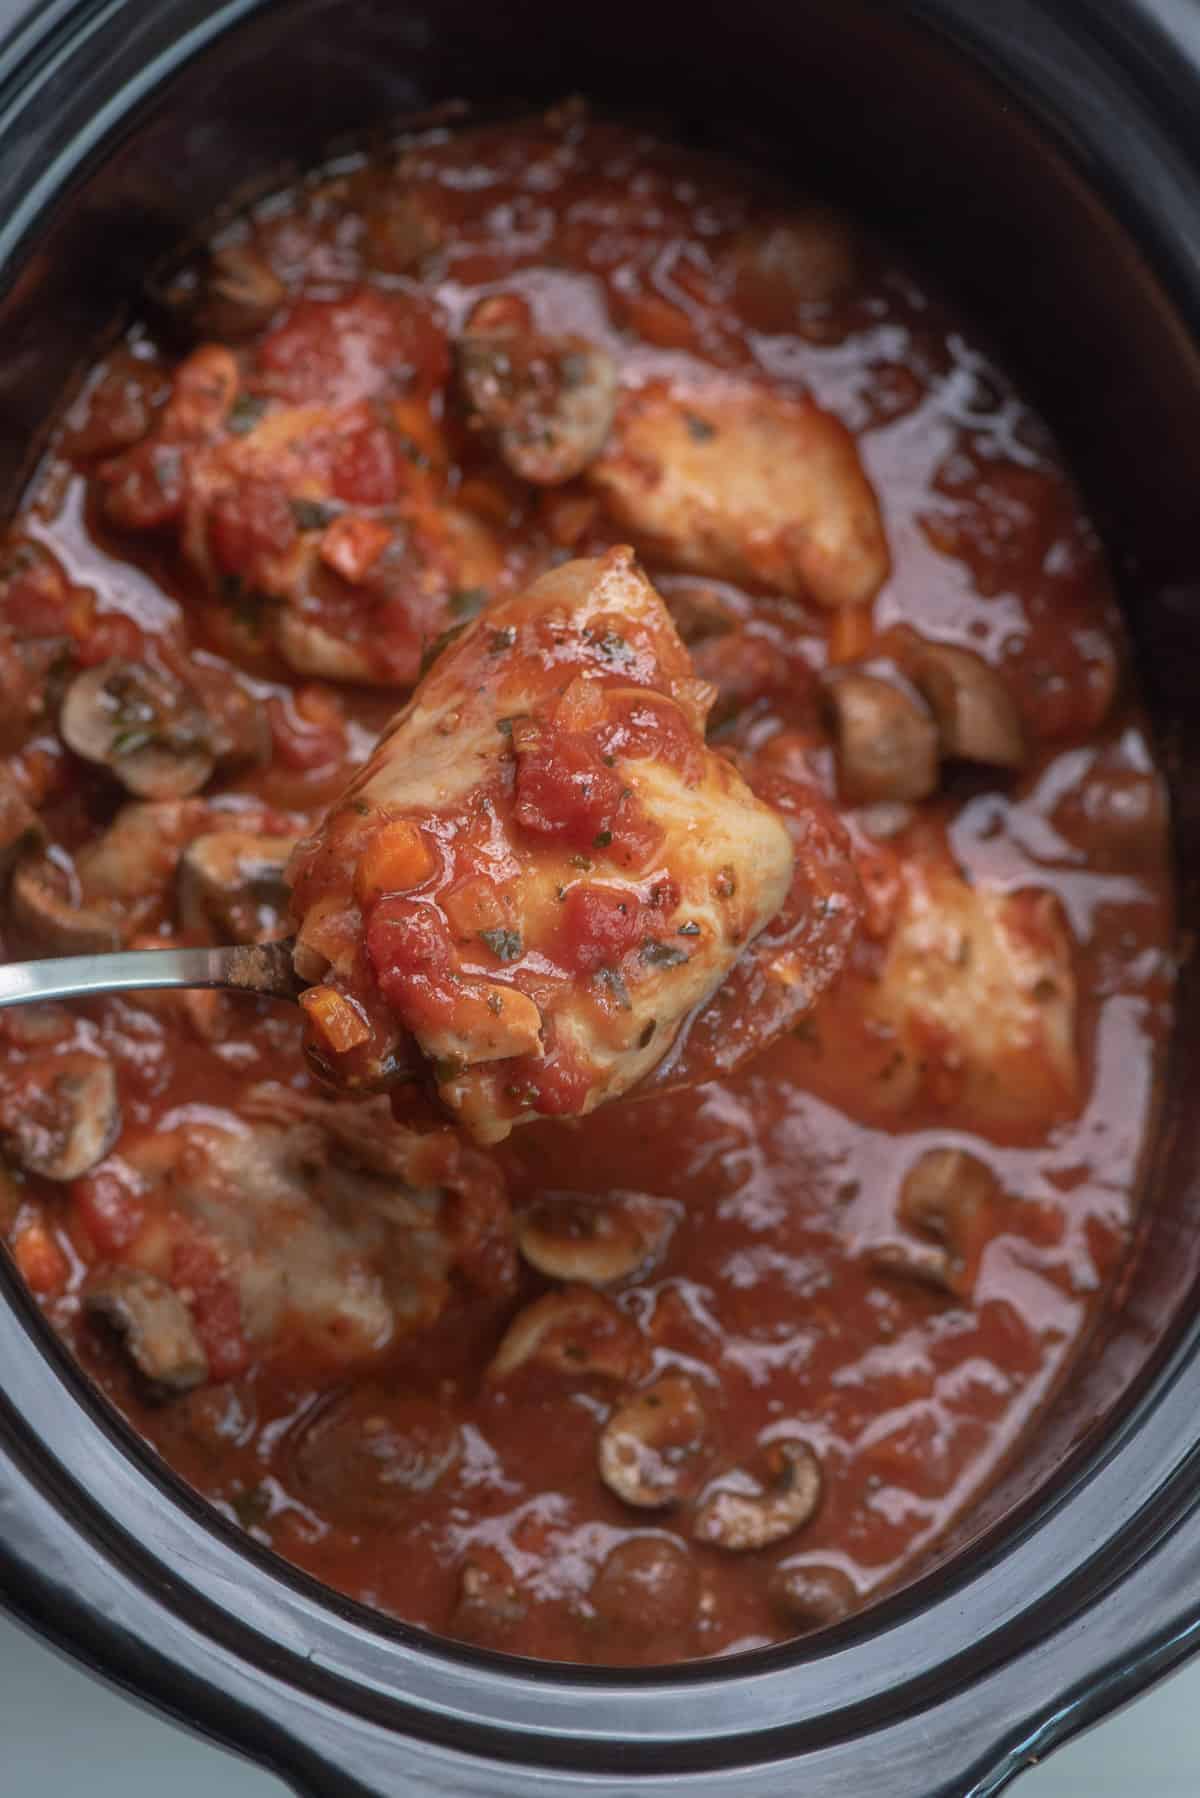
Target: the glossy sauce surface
(784, 1283)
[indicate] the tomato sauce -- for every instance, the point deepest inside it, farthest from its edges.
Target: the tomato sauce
(784, 1283)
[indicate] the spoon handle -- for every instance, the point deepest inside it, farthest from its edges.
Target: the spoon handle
(253, 967)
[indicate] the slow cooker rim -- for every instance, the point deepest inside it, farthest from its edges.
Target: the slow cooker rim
(1154, 1511)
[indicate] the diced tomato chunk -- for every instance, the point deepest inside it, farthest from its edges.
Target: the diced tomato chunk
(307, 729)
(566, 791)
(113, 635)
(409, 949)
(338, 351)
(145, 487)
(212, 1299)
(110, 1207)
(36, 598)
(248, 522)
(365, 468)
(599, 925)
(556, 1085)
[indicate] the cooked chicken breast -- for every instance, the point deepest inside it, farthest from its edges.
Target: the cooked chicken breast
(543, 869)
(750, 485)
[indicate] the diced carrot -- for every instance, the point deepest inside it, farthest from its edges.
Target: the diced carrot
(40, 1261)
(487, 500)
(395, 860)
(568, 516)
(352, 544)
(336, 1019)
(851, 634)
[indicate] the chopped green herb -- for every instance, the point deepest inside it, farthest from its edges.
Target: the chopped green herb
(504, 726)
(573, 367)
(610, 761)
(434, 648)
(502, 639)
(612, 646)
(465, 602)
(412, 450)
(602, 839)
(661, 955)
(311, 514)
(505, 945)
(130, 739)
(691, 928)
(252, 1507)
(245, 413)
(362, 807)
(448, 1067)
(610, 981)
(699, 429)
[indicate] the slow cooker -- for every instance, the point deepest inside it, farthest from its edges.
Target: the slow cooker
(1045, 156)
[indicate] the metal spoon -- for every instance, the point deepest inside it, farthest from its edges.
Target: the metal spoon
(249, 968)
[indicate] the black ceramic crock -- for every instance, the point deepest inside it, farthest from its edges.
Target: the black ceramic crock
(1046, 156)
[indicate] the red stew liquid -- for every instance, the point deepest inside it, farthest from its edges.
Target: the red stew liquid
(820, 1341)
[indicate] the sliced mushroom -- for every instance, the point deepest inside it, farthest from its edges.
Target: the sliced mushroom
(238, 723)
(150, 730)
(310, 649)
(489, 1606)
(233, 295)
(65, 1116)
(977, 717)
(154, 1325)
(887, 744)
(654, 1449)
(648, 1589)
(363, 1457)
(575, 1332)
(548, 401)
(47, 920)
(131, 864)
(398, 231)
(21, 830)
(811, 1595)
(593, 1240)
(807, 259)
(751, 1508)
(944, 1202)
(232, 886)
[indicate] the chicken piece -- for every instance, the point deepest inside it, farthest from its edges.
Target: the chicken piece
(308, 491)
(973, 1008)
(284, 1237)
(543, 869)
(733, 481)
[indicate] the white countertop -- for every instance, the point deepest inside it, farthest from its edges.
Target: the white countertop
(63, 1735)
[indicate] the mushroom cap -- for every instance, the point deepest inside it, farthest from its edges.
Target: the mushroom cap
(153, 1323)
(231, 883)
(549, 401)
(572, 1236)
(976, 714)
(362, 1458)
(69, 1117)
(654, 1449)
(148, 729)
(751, 1508)
(887, 744)
(575, 1331)
(45, 918)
